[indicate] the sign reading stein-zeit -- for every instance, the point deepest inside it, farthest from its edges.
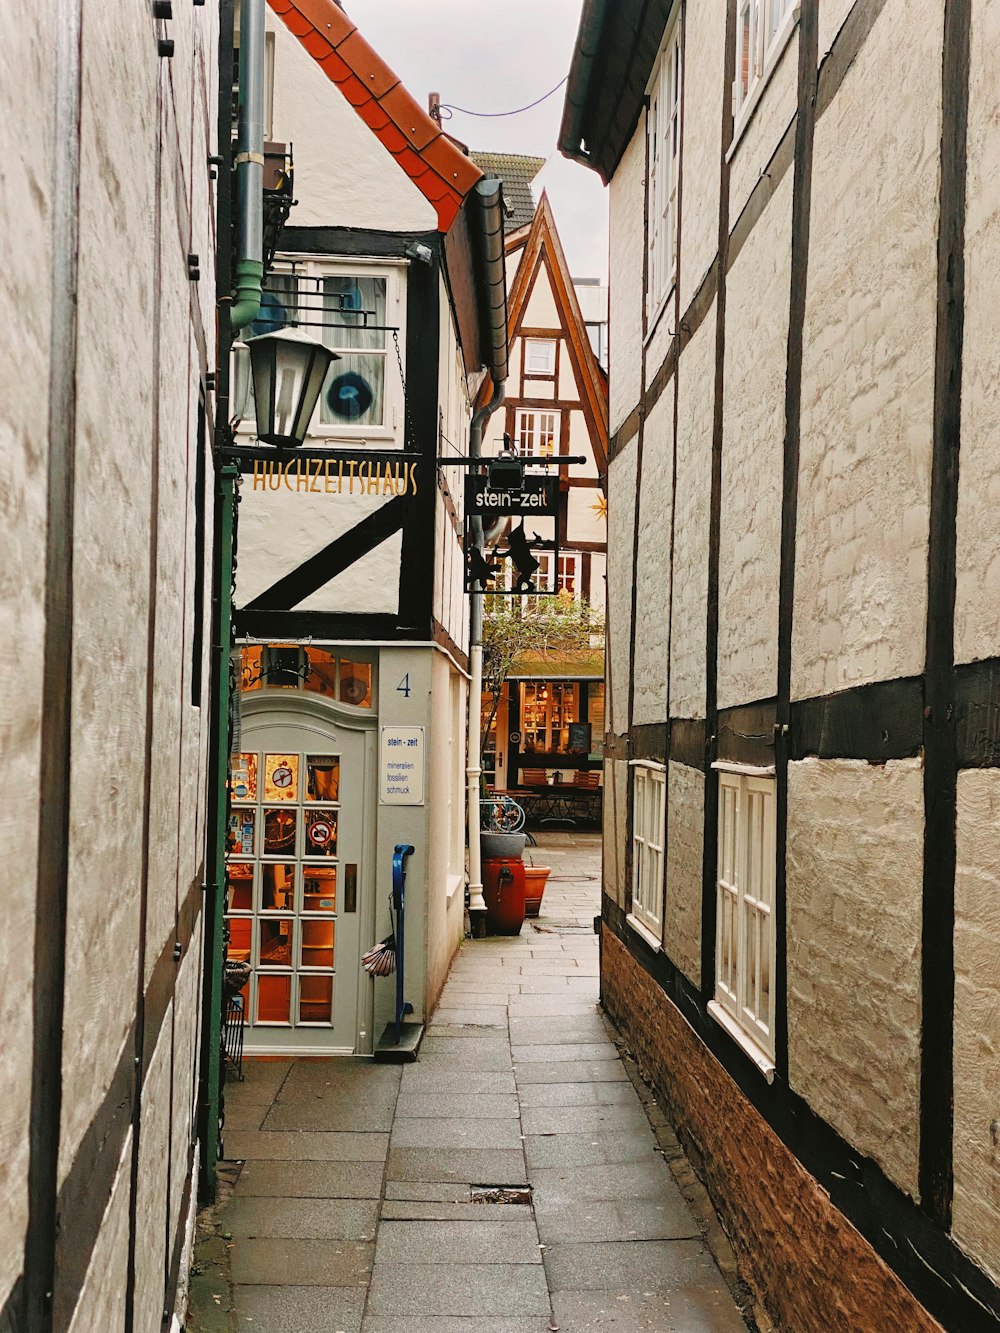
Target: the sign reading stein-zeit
(538, 496)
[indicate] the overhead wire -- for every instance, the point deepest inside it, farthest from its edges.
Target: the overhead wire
(497, 115)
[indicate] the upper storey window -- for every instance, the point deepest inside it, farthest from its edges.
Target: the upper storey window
(539, 356)
(762, 29)
(664, 131)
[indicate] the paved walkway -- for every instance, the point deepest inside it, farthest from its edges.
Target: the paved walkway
(380, 1199)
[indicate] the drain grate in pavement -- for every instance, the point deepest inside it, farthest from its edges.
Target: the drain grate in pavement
(501, 1194)
(563, 928)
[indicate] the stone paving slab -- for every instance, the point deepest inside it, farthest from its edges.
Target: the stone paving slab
(414, 1211)
(269, 1262)
(688, 1309)
(586, 1119)
(300, 1309)
(431, 1105)
(550, 1006)
(425, 1132)
(475, 1062)
(481, 1291)
(418, 1078)
(666, 1218)
(486, 1166)
(306, 1146)
(567, 1187)
(576, 1029)
(432, 1191)
(548, 1055)
(465, 1242)
(437, 1324)
(572, 1071)
(310, 1180)
(534, 1095)
(464, 1031)
(335, 1098)
(303, 1219)
(493, 1014)
(560, 986)
(608, 1148)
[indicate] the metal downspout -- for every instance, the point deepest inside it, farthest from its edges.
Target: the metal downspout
(493, 276)
(250, 168)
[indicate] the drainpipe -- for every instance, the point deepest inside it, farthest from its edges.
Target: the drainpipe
(493, 282)
(249, 162)
(474, 772)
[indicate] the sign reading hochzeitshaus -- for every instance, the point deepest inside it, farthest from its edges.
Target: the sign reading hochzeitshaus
(335, 476)
(401, 766)
(538, 496)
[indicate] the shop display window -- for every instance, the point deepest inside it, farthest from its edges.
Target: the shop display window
(321, 832)
(243, 783)
(315, 670)
(281, 777)
(319, 888)
(356, 683)
(322, 777)
(321, 673)
(240, 839)
(274, 999)
(279, 832)
(317, 944)
(316, 1000)
(277, 886)
(547, 709)
(239, 939)
(239, 881)
(274, 937)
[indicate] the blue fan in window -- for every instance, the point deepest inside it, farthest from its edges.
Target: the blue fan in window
(350, 396)
(271, 316)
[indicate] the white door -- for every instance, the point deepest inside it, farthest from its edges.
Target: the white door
(297, 875)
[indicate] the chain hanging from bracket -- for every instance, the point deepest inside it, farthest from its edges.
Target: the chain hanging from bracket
(409, 430)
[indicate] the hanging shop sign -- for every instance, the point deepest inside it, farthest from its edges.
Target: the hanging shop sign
(536, 496)
(401, 766)
(336, 476)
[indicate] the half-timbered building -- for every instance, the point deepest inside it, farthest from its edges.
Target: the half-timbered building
(549, 724)
(801, 877)
(349, 590)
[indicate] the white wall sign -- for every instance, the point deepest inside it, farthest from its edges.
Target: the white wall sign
(401, 770)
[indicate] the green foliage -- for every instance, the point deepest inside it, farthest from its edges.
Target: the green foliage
(543, 628)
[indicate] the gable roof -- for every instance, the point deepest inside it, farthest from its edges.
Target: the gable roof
(542, 246)
(517, 171)
(439, 169)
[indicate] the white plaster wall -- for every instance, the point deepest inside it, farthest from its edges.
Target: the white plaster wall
(696, 398)
(541, 311)
(151, 1186)
(598, 580)
(854, 887)
(116, 318)
(976, 1206)
(187, 1006)
(580, 443)
(615, 829)
(652, 574)
(977, 624)
(102, 1300)
(621, 516)
(625, 201)
(328, 135)
(868, 366)
(583, 523)
(771, 117)
(446, 803)
(685, 845)
(832, 14)
(752, 456)
(703, 91)
(26, 101)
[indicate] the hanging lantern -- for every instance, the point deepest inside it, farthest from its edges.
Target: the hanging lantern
(288, 372)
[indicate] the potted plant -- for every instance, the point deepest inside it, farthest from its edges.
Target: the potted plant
(534, 887)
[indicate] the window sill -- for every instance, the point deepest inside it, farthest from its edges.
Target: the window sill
(644, 932)
(743, 1039)
(746, 112)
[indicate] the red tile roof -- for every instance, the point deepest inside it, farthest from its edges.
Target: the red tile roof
(442, 172)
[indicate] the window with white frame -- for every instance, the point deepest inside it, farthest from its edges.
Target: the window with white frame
(761, 27)
(664, 130)
(536, 434)
(539, 356)
(649, 808)
(744, 931)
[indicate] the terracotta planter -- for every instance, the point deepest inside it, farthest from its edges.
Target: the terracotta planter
(534, 888)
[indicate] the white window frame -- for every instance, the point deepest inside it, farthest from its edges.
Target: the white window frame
(664, 146)
(744, 925)
(649, 825)
(765, 26)
(545, 349)
(536, 433)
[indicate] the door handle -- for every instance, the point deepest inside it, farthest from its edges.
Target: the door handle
(351, 887)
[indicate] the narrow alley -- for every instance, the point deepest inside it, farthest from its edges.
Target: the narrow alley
(513, 1180)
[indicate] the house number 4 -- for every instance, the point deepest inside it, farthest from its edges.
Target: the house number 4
(404, 686)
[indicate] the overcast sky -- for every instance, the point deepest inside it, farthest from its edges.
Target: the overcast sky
(495, 55)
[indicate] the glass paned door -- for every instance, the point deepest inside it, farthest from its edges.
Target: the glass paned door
(294, 828)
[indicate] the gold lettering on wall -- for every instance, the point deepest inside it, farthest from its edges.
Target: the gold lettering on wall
(319, 476)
